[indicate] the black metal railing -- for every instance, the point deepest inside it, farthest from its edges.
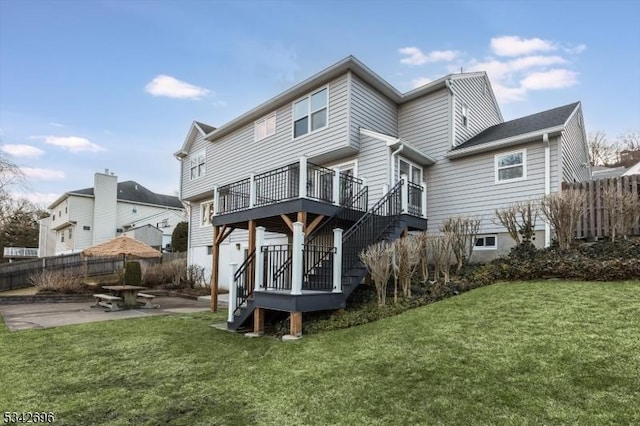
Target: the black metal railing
(243, 280)
(317, 267)
(414, 203)
(319, 183)
(349, 187)
(277, 185)
(277, 277)
(234, 196)
(371, 226)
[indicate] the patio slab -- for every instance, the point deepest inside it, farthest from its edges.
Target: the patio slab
(45, 315)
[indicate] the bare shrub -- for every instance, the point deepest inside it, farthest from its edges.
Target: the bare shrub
(377, 259)
(423, 247)
(405, 259)
(463, 232)
(172, 274)
(623, 209)
(520, 220)
(562, 210)
(439, 247)
(60, 281)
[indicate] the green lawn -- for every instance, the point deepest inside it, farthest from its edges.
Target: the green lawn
(519, 353)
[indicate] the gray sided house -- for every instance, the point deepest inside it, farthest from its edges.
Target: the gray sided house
(346, 150)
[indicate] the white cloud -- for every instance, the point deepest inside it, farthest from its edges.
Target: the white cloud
(516, 46)
(499, 70)
(43, 199)
(165, 85)
(575, 50)
(71, 143)
(19, 150)
(415, 56)
(42, 174)
(552, 79)
(509, 94)
(54, 124)
(421, 81)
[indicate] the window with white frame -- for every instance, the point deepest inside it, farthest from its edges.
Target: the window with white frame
(206, 213)
(265, 127)
(486, 242)
(310, 113)
(465, 115)
(511, 166)
(197, 164)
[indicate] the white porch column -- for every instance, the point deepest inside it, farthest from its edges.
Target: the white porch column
(302, 190)
(252, 190)
(336, 187)
(259, 260)
(404, 194)
(337, 261)
(216, 200)
(547, 184)
(424, 200)
(296, 258)
(233, 291)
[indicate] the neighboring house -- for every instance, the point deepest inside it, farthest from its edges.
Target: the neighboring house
(602, 172)
(337, 144)
(86, 217)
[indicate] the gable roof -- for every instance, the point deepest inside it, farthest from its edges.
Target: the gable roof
(531, 128)
(350, 63)
(521, 126)
(134, 192)
(196, 127)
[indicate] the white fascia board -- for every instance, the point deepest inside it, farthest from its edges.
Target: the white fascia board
(501, 143)
(184, 150)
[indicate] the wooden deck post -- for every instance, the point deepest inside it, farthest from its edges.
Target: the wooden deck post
(215, 252)
(295, 324)
(258, 321)
(251, 248)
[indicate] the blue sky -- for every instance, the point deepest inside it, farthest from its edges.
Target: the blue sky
(89, 85)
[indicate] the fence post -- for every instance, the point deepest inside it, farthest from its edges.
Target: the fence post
(336, 187)
(296, 258)
(404, 193)
(302, 189)
(233, 292)
(252, 190)
(259, 259)
(337, 261)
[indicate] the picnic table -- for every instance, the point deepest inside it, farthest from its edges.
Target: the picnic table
(128, 293)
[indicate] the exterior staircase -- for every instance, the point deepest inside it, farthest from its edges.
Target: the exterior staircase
(382, 222)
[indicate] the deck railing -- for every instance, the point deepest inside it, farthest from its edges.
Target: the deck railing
(234, 196)
(414, 199)
(275, 277)
(320, 183)
(317, 267)
(277, 185)
(243, 281)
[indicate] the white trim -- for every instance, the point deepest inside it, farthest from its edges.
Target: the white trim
(503, 143)
(485, 247)
(347, 163)
(264, 119)
(524, 166)
(412, 164)
(196, 157)
(310, 112)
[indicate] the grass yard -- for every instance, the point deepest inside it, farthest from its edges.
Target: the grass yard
(516, 353)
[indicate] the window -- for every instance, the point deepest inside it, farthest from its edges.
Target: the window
(198, 164)
(54, 217)
(465, 115)
(511, 166)
(206, 212)
(413, 172)
(66, 210)
(70, 234)
(310, 113)
(265, 127)
(86, 228)
(134, 210)
(62, 237)
(209, 250)
(486, 242)
(164, 223)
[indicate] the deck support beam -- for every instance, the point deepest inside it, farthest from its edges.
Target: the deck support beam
(258, 321)
(295, 324)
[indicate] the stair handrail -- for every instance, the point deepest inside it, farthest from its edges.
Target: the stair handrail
(242, 296)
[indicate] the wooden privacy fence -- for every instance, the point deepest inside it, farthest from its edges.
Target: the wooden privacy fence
(595, 219)
(16, 275)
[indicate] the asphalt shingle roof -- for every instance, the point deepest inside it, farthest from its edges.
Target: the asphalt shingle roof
(519, 126)
(206, 127)
(132, 191)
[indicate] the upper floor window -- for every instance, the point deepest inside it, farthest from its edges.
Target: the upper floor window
(198, 160)
(206, 213)
(465, 115)
(310, 113)
(511, 166)
(70, 234)
(265, 127)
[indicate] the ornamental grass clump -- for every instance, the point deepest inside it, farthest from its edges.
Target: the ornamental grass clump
(562, 211)
(377, 259)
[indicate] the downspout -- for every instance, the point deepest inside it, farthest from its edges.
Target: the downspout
(393, 164)
(452, 104)
(547, 183)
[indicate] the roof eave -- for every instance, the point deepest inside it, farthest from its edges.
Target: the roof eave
(503, 143)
